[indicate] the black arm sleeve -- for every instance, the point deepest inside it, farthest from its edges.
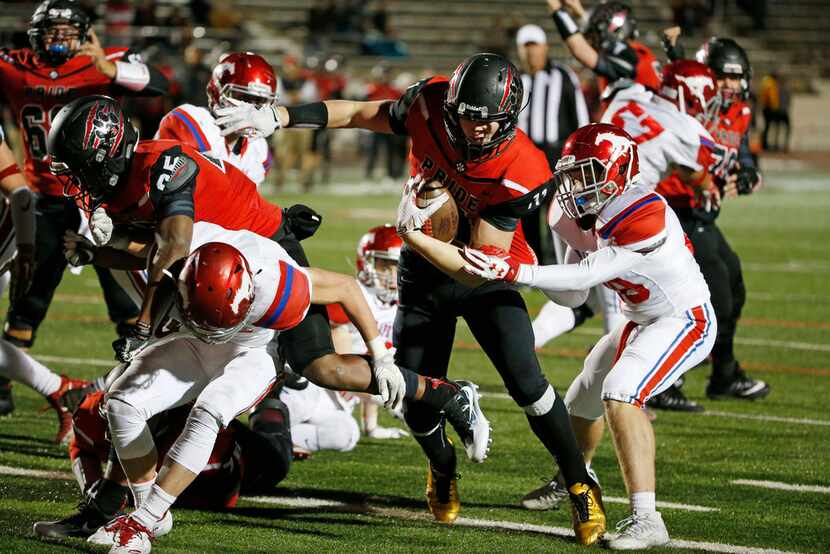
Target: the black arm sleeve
(400, 107)
(745, 157)
(157, 86)
(173, 184)
(505, 216)
(620, 62)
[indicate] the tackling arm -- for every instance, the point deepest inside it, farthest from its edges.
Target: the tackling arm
(173, 240)
(336, 114)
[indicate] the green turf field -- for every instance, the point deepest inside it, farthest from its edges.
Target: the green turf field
(375, 493)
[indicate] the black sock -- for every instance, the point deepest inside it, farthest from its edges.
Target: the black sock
(439, 450)
(555, 432)
(109, 496)
(438, 392)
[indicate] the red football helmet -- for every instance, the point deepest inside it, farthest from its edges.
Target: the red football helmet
(380, 243)
(598, 162)
(216, 291)
(693, 88)
(242, 76)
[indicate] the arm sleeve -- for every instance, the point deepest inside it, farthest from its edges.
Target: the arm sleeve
(598, 267)
(571, 298)
(173, 184)
(505, 215)
(134, 77)
(745, 157)
(399, 109)
(620, 62)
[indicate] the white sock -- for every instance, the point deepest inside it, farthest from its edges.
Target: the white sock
(141, 491)
(643, 502)
(154, 507)
(553, 320)
(19, 366)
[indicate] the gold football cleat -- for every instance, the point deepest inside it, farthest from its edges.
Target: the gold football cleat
(442, 496)
(588, 513)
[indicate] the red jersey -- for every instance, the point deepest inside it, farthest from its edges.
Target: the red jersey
(647, 70)
(499, 189)
(36, 92)
(728, 131)
(170, 178)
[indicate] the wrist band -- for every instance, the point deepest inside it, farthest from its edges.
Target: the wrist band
(565, 24)
(308, 116)
(131, 76)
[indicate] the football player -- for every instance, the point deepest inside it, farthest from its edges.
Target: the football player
(463, 132)
(734, 173)
(65, 61)
(17, 255)
(244, 460)
(156, 190)
(642, 253)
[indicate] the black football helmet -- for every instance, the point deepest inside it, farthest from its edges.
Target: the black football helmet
(57, 12)
(91, 142)
(608, 23)
(484, 87)
(725, 57)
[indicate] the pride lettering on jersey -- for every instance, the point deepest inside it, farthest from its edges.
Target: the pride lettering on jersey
(464, 199)
(291, 301)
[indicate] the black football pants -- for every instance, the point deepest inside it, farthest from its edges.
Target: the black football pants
(54, 216)
(721, 269)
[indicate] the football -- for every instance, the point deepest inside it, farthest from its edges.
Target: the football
(443, 225)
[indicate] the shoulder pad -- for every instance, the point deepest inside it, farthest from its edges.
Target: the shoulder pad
(172, 170)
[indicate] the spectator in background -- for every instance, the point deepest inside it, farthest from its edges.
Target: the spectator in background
(775, 104)
(381, 88)
(223, 15)
(320, 23)
(297, 87)
(331, 85)
(118, 17)
(553, 108)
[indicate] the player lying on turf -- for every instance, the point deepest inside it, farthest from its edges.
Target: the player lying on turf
(633, 243)
(17, 260)
(244, 460)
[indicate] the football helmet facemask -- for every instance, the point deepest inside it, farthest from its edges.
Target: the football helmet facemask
(242, 77)
(380, 243)
(57, 29)
(726, 58)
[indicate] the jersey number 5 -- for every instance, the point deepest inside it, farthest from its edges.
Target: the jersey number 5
(637, 123)
(169, 166)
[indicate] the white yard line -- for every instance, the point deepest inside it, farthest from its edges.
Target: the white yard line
(311, 503)
(76, 361)
(713, 413)
(781, 486)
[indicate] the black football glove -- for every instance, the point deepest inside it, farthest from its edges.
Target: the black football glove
(303, 221)
(77, 249)
(747, 178)
(128, 345)
(22, 271)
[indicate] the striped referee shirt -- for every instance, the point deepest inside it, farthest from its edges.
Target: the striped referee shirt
(554, 107)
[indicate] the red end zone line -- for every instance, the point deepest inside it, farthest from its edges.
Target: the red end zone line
(398, 513)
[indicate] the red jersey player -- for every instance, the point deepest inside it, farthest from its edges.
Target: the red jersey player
(463, 132)
(65, 62)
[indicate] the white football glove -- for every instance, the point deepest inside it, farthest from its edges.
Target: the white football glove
(101, 226)
(489, 267)
(387, 433)
(391, 385)
(264, 120)
(410, 216)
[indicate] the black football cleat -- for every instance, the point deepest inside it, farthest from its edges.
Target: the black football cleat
(465, 415)
(82, 524)
(742, 387)
(6, 398)
(673, 399)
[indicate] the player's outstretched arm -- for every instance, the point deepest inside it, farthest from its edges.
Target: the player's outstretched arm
(574, 40)
(328, 287)
(337, 114)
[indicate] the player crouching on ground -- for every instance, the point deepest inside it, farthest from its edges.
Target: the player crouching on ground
(641, 252)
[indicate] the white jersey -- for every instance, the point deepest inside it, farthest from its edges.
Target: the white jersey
(384, 314)
(642, 253)
(664, 135)
(282, 289)
(196, 127)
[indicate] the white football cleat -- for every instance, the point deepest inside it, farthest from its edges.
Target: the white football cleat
(128, 536)
(639, 532)
(105, 536)
(465, 415)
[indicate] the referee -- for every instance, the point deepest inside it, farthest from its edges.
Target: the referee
(553, 108)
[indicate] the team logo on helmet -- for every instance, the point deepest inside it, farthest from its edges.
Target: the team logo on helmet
(619, 145)
(104, 129)
(697, 85)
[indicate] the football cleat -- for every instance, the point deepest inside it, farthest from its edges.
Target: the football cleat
(107, 535)
(130, 536)
(465, 415)
(742, 387)
(82, 523)
(588, 513)
(639, 532)
(57, 401)
(442, 495)
(6, 398)
(550, 495)
(673, 399)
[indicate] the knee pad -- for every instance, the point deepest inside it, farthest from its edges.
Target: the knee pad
(543, 405)
(129, 432)
(193, 447)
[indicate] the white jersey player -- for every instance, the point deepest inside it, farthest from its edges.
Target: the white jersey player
(627, 239)
(241, 77)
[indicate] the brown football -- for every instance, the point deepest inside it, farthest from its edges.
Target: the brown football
(443, 225)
